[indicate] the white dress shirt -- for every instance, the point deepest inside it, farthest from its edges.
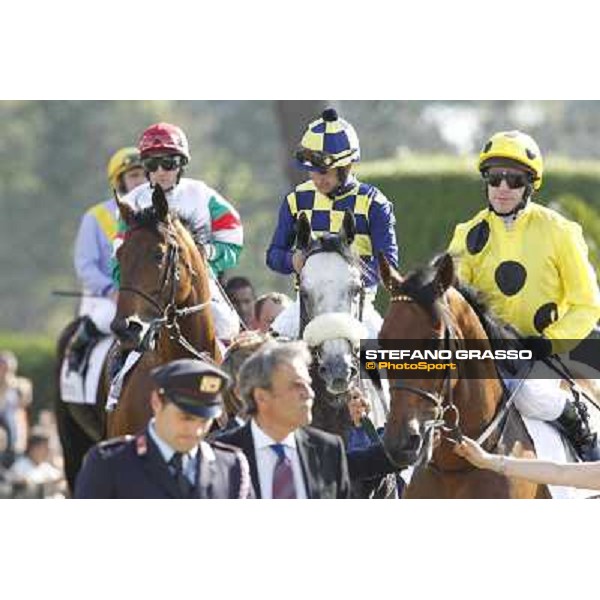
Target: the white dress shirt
(266, 458)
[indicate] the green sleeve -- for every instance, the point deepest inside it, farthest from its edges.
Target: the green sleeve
(226, 257)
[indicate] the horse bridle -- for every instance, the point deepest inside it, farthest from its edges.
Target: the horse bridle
(361, 303)
(170, 314)
(442, 400)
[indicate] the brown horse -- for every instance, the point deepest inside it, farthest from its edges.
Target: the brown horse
(425, 306)
(163, 308)
(80, 426)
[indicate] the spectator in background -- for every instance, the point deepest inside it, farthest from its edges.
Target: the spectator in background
(5, 461)
(6, 457)
(241, 293)
(267, 307)
(15, 398)
(242, 348)
(46, 422)
(33, 471)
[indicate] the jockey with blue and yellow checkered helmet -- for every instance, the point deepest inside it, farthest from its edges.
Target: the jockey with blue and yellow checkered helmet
(327, 151)
(329, 143)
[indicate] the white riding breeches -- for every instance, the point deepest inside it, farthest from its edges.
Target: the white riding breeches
(100, 310)
(542, 399)
(287, 323)
(226, 319)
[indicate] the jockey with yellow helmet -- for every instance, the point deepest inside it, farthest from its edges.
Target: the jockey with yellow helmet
(93, 250)
(531, 264)
(165, 152)
(328, 151)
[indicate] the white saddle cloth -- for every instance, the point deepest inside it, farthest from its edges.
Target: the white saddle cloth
(83, 390)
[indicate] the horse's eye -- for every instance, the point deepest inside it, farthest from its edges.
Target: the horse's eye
(159, 256)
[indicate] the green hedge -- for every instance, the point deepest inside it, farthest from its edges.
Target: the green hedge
(36, 356)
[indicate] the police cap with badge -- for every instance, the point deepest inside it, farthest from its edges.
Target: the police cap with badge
(192, 385)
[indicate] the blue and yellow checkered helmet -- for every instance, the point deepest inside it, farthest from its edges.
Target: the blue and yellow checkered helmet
(328, 143)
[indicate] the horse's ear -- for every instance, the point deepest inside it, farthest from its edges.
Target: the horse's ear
(348, 230)
(390, 277)
(159, 201)
(125, 210)
(444, 276)
(303, 232)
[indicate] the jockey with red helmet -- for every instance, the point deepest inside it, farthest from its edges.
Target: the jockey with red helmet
(165, 152)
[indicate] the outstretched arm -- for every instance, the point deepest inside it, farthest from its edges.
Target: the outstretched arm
(578, 475)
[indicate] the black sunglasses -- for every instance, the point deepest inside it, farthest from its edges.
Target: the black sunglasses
(513, 180)
(168, 163)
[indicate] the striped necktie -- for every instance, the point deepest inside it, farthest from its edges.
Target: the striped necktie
(283, 476)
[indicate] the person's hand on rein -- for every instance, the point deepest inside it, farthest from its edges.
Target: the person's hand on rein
(474, 453)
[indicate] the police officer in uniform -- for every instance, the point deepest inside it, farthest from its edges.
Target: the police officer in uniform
(170, 459)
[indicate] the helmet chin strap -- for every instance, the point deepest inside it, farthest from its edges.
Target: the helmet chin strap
(518, 208)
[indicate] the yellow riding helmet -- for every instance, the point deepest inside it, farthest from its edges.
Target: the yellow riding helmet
(120, 162)
(514, 146)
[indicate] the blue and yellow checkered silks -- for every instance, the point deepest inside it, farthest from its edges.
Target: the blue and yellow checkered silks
(329, 142)
(326, 215)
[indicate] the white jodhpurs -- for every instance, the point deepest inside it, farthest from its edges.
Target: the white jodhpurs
(100, 310)
(542, 399)
(226, 319)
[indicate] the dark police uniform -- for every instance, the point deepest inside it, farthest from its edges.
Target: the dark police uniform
(135, 467)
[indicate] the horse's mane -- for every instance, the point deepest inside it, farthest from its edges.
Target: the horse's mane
(420, 285)
(148, 218)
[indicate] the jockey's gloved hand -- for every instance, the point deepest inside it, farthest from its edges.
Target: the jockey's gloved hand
(540, 346)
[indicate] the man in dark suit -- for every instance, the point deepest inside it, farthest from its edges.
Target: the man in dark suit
(171, 459)
(287, 458)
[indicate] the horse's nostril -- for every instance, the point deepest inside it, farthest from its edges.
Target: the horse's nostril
(118, 326)
(338, 383)
(413, 442)
(322, 371)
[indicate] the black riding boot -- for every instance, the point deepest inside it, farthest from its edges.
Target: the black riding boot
(574, 423)
(81, 344)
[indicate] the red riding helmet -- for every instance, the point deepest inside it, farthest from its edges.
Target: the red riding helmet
(164, 138)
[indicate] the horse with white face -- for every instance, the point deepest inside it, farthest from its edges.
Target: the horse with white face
(331, 303)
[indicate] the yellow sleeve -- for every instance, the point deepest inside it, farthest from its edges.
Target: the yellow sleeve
(458, 250)
(580, 288)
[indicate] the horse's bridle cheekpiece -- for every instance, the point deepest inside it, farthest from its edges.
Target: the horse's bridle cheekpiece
(169, 313)
(442, 400)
